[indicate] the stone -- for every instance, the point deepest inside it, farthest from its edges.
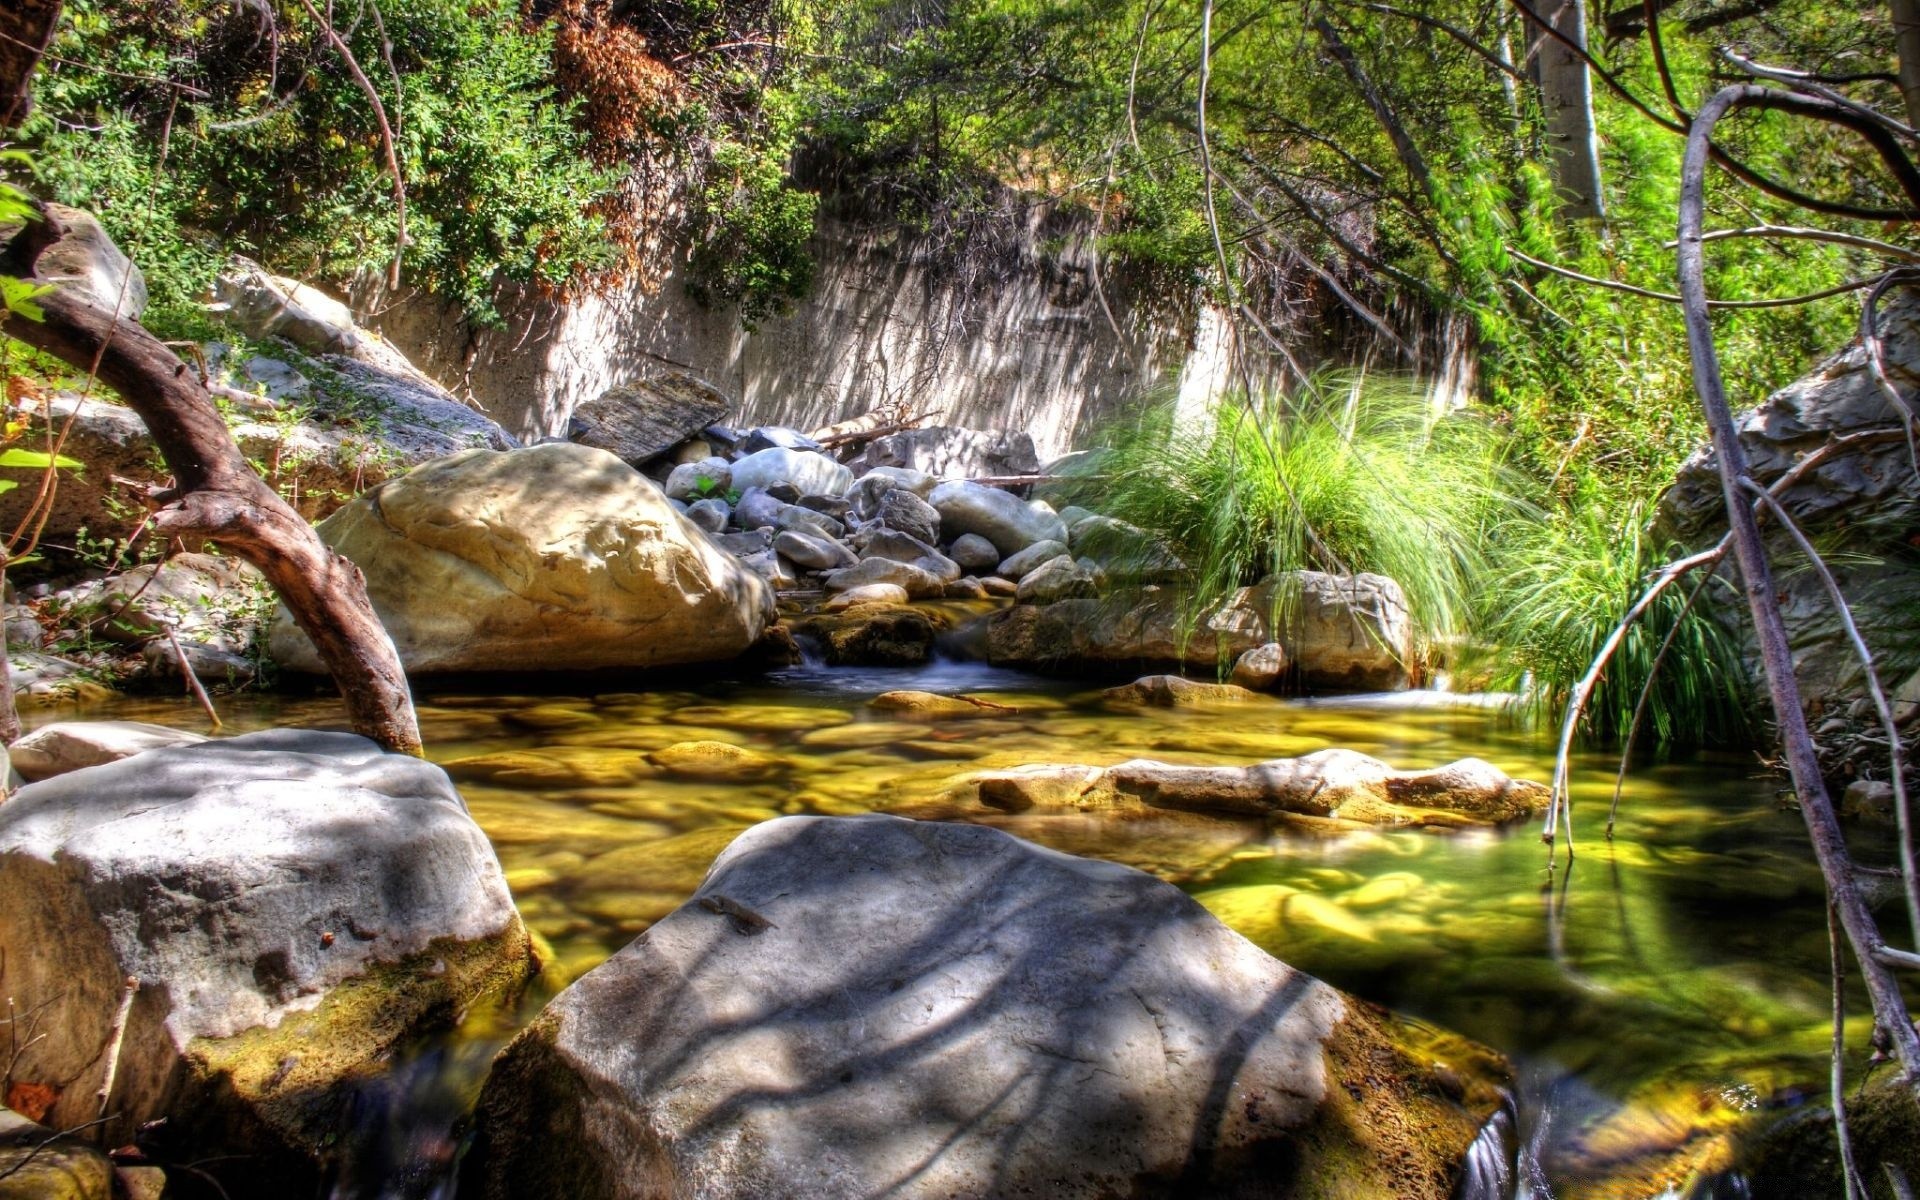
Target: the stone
(642, 420)
(871, 593)
(693, 450)
(916, 581)
(752, 541)
(877, 541)
(1339, 632)
(773, 570)
(1030, 1024)
(205, 597)
(997, 586)
(262, 305)
(756, 509)
(871, 635)
(949, 452)
(808, 521)
(713, 760)
(297, 906)
(214, 666)
(708, 515)
(808, 471)
(836, 507)
(70, 745)
(967, 588)
(692, 481)
(1260, 668)
(47, 681)
(1059, 578)
(1172, 691)
(86, 258)
(932, 706)
(1000, 517)
(1017, 566)
(555, 557)
(36, 1163)
(1326, 783)
(902, 510)
(813, 553)
(766, 437)
(975, 553)
(867, 492)
(1869, 800)
(1125, 550)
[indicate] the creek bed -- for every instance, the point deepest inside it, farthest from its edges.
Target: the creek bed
(1668, 986)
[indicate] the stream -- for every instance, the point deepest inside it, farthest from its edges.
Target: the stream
(1667, 987)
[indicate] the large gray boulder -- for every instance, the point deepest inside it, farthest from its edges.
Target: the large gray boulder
(293, 906)
(555, 557)
(858, 1007)
(262, 305)
(1010, 523)
(645, 419)
(85, 257)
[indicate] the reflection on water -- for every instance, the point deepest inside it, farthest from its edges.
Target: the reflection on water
(1669, 984)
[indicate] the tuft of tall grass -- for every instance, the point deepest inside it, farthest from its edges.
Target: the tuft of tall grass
(1559, 589)
(1350, 472)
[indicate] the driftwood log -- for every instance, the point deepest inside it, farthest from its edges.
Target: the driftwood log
(216, 494)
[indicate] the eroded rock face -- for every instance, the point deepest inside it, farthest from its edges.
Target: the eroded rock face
(854, 1007)
(555, 557)
(1340, 784)
(295, 905)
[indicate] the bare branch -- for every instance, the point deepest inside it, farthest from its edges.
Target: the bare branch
(1840, 289)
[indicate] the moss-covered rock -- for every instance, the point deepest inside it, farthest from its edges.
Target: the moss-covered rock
(37, 1165)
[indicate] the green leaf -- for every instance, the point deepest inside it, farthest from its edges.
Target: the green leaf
(17, 457)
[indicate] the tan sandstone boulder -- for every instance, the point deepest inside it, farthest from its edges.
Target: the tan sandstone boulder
(554, 557)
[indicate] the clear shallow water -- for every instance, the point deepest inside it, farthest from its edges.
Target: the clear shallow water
(1667, 986)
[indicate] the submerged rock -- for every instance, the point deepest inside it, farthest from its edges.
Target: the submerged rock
(1028, 1024)
(1171, 691)
(1327, 783)
(870, 635)
(294, 907)
(932, 706)
(556, 557)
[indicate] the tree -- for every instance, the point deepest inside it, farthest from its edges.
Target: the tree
(216, 494)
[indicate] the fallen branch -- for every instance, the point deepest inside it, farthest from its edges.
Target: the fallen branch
(1841, 289)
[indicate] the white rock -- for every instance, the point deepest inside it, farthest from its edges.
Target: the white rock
(813, 473)
(70, 745)
(1001, 517)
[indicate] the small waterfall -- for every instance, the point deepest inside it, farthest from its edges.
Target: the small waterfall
(1491, 1165)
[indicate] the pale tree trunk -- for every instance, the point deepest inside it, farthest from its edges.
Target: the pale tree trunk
(1906, 41)
(1566, 95)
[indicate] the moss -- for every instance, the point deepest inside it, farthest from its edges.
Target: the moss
(1403, 1104)
(1798, 1157)
(286, 1093)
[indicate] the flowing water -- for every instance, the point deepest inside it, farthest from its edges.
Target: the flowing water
(1665, 988)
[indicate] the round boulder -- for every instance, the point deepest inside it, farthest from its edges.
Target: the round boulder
(555, 557)
(856, 1007)
(234, 935)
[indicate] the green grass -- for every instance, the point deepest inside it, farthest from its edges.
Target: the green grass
(1559, 588)
(1347, 473)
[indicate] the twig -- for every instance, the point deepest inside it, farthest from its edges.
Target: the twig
(1876, 357)
(193, 680)
(1852, 285)
(1802, 233)
(117, 1039)
(1909, 874)
(1837, 1059)
(1646, 690)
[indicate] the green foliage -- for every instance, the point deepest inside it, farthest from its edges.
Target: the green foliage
(1349, 473)
(751, 226)
(278, 155)
(1560, 588)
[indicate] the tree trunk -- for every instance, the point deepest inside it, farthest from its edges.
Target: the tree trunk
(1906, 41)
(218, 496)
(26, 27)
(1566, 93)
